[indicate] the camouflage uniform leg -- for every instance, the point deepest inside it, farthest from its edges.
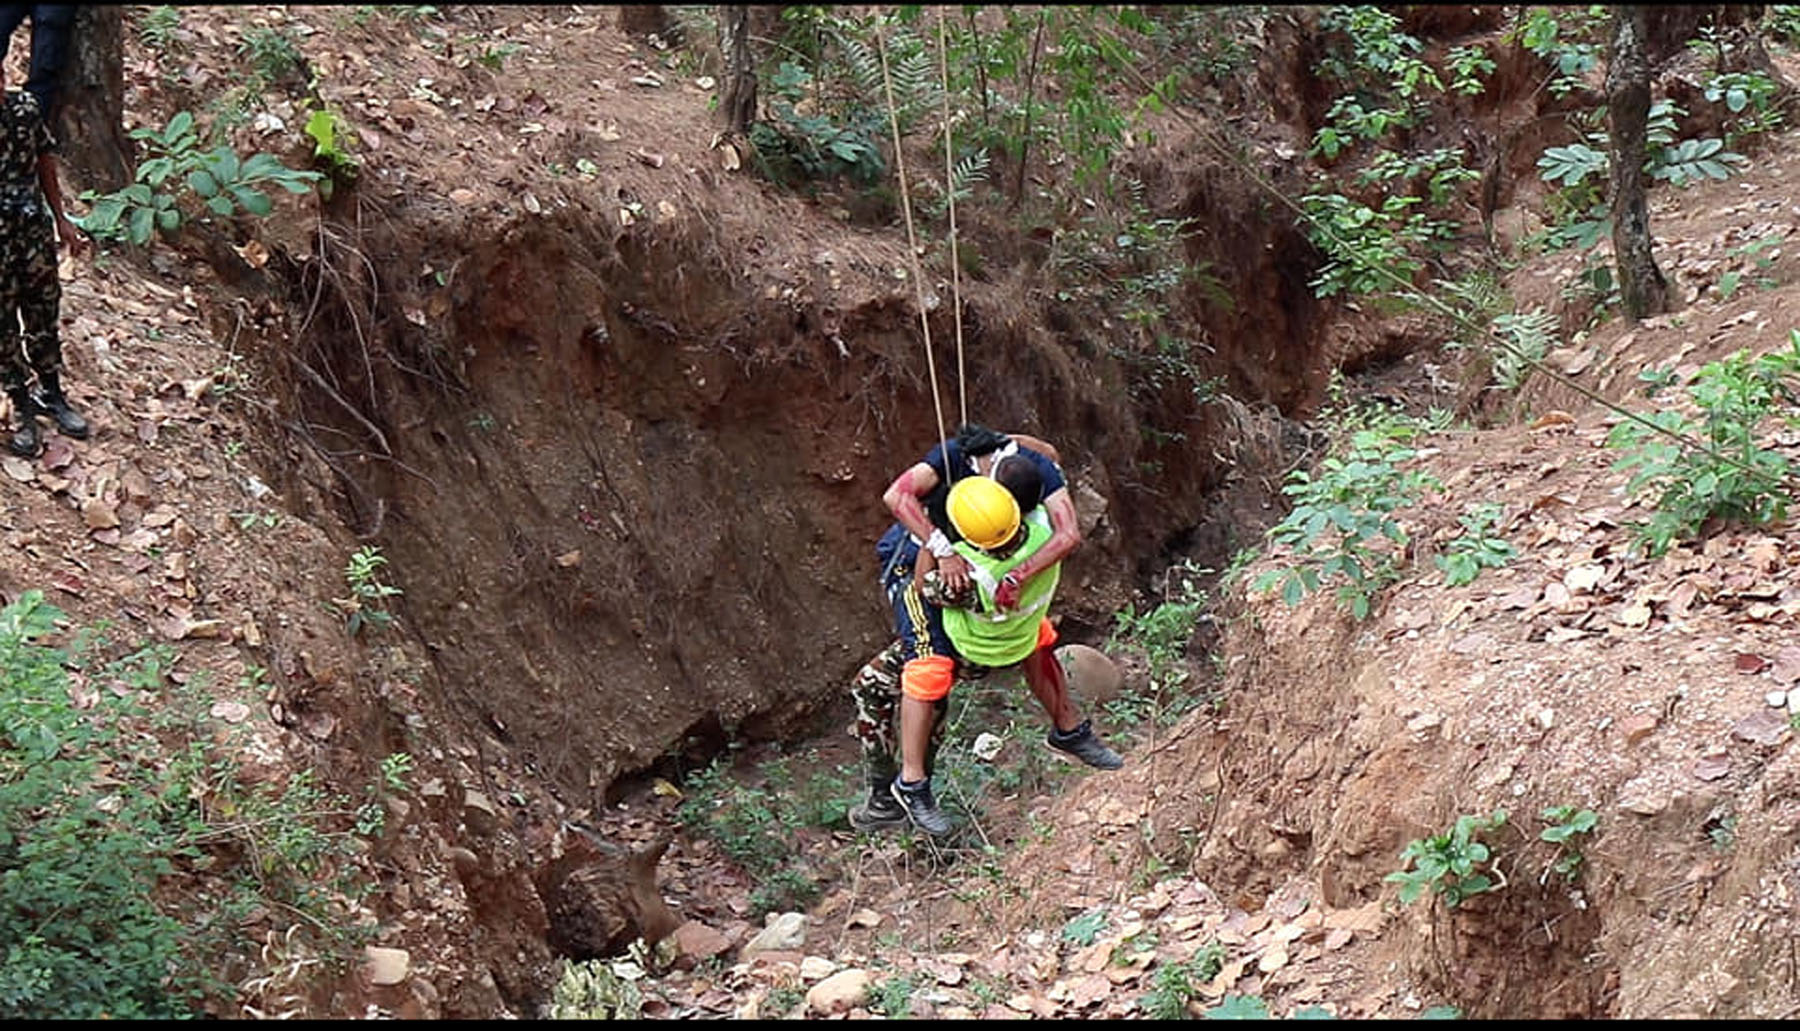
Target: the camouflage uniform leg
(876, 689)
(40, 300)
(15, 234)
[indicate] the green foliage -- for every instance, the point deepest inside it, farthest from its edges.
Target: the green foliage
(159, 28)
(367, 604)
(1734, 479)
(1525, 337)
(81, 848)
(1370, 250)
(793, 147)
(1446, 863)
(892, 996)
(1476, 549)
(1570, 38)
(1756, 250)
(599, 989)
(1082, 930)
(173, 170)
(1566, 823)
(1239, 1007)
(1782, 23)
(271, 55)
(782, 1000)
(329, 136)
(759, 825)
(1578, 209)
(96, 813)
(1161, 634)
(1342, 529)
(1174, 985)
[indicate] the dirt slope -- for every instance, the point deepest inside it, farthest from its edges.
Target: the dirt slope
(644, 407)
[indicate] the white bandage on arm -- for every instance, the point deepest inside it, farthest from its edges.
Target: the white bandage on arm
(938, 544)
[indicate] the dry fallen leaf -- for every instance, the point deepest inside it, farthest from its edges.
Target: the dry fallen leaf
(1750, 663)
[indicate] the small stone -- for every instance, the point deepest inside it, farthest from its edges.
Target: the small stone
(782, 932)
(386, 966)
(839, 993)
(1776, 699)
(479, 813)
(696, 941)
(816, 968)
(1637, 727)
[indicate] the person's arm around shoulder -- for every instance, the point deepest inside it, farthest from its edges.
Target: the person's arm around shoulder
(1042, 447)
(905, 499)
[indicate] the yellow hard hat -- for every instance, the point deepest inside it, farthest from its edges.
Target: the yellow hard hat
(985, 513)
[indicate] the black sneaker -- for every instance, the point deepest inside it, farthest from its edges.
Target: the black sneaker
(1084, 745)
(920, 807)
(880, 811)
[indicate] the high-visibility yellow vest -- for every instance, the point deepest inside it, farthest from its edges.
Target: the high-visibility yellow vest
(982, 633)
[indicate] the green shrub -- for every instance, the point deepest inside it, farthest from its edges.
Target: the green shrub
(1733, 478)
(1342, 529)
(175, 172)
(84, 839)
(1448, 863)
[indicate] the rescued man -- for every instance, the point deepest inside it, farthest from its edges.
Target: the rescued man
(999, 621)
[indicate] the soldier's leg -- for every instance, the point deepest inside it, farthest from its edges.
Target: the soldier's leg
(41, 309)
(14, 372)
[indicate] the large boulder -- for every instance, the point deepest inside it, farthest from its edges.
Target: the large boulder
(1093, 677)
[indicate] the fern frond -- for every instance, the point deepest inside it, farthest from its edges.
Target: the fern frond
(1528, 337)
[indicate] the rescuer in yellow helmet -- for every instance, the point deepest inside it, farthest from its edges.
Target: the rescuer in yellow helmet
(919, 495)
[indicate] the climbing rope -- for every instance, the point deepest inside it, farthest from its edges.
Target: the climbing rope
(1405, 287)
(912, 248)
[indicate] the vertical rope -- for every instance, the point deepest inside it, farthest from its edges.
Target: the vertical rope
(962, 380)
(912, 249)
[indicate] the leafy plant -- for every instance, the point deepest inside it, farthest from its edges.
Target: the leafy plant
(892, 996)
(1174, 985)
(1525, 338)
(1342, 527)
(367, 604)
(271, 54)
(1161, 633)
(1446, 863)
(1734, 479)
(329, 136)
(1239, 1007)
(1082, 930)
(758, 825)
(1566, 824)
(159, 28)
(174, 168)
(97, 813)
(1476, 549)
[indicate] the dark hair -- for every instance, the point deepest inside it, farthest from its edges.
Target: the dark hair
(975, 440)
(1021, 476)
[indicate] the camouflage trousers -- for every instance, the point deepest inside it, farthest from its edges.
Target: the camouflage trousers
(876, 688)
(30, 293)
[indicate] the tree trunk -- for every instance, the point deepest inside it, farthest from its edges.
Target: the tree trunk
(90, 109)
(737, 104)
(1641, 285)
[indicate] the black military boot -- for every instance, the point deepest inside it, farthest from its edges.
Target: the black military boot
(879, 811)
(25, 440)
(51, 402)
